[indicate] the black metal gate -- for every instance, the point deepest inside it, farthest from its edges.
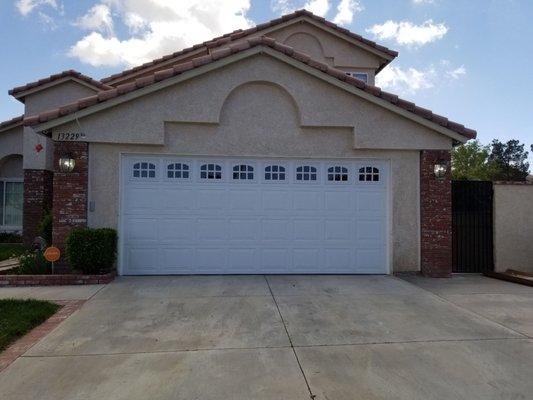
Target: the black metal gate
(472, 226)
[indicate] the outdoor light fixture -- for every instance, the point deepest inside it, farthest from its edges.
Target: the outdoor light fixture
(440, 169)
(66, 163)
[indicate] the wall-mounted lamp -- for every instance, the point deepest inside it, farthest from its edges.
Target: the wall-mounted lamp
(67, 163)
(440, 168)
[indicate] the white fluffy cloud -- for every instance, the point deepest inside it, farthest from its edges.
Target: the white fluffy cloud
(407, 33)
(156, 27)
(346, 10)
(27, 6)
(411, 80)
(423, 1)
(318, 7)
(97, 18)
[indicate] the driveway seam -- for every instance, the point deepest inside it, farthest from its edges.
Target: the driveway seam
(131, 353)
(311, 395)
(444, 299)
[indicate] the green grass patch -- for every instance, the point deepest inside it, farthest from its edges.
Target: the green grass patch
(17, 317)
(8, 250)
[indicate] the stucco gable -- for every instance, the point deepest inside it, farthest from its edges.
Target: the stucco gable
(236, 53)
(260, 105)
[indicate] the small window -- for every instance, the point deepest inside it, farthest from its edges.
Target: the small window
(337, 174)
(144, 170)
(274, 173)
(368, 174)
(243, 172)
(306, 173)
(211, 171)
(362, 76)
(178, 171)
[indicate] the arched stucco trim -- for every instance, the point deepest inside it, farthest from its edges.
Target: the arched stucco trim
(316, 42)
(11, 166)
(281, 89)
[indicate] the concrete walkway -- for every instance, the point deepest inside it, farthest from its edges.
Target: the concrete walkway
(286, 337)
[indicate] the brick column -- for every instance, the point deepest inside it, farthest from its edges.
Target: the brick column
(435, 216)
(70, 193)
(37, 200)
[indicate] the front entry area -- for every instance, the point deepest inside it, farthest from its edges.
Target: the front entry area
(207, 215)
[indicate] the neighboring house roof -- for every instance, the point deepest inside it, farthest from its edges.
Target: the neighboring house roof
(12, 123)
(19, 90)
(239, 34)
(222, 53)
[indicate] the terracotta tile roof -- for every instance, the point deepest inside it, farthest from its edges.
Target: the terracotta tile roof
(238, 34)
(236, 48)
(55, 77)
(11, 123)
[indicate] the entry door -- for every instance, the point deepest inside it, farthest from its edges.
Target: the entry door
(253, 216)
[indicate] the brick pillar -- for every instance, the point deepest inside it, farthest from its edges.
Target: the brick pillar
(435, 216)
(70, 193)
(37, 200)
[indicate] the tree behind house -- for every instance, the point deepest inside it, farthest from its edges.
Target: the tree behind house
(497, 161)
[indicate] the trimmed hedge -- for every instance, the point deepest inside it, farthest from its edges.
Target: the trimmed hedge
(92, 251)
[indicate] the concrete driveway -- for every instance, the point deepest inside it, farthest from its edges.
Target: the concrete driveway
(286, 337)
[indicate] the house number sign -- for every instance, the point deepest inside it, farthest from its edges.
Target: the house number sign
(70, 136)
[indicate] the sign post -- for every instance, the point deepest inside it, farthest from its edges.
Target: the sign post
(52, 254)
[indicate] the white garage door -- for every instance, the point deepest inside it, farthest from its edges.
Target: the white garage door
(253, 216)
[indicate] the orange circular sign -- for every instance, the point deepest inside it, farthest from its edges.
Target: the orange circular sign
(52, 254)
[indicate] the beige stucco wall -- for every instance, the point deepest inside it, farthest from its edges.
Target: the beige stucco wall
(260, 107)
(11, 142)
(56, 96)
(513, 227)
(34, 159)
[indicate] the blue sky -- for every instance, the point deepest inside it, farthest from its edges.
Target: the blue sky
(470, 60)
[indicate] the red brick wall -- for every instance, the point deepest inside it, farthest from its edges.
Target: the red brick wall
(37, 199)
(435, 216)
(70, 193)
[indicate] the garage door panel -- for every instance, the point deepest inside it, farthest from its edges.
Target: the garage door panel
(242, 260)
(141, 200)
(244, 200)
(177, 229)
(141, 229)
(211, 199)
(211, 259)
(275, 260)
(306, 200)
(341, 201)
(276, 199)
(211, 229)
(178, 259)
(308, 229)
(275, 229)
(177, 200)
(208, 225)
(243, 229)
(306, 259)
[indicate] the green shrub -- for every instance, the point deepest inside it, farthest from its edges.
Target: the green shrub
(9, 237)
(45, 227)
(33, 263)
(92, 251)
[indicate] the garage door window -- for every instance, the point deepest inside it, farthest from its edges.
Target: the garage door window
(337, 174)
(368, 174)
(211, 172)
(178, 171)
(274, 173)
(306, 173)
(144, 170)
(243, 172)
